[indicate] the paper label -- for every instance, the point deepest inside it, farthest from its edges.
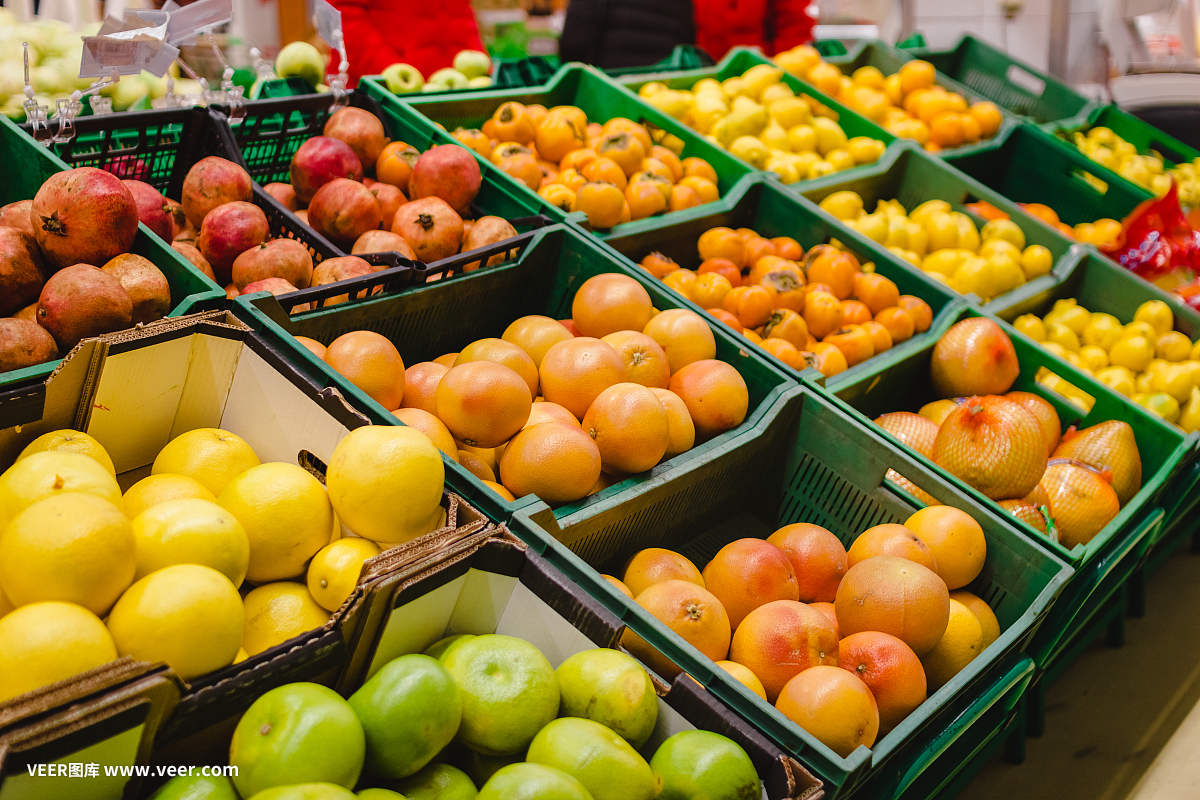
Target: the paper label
(329, 23)
(197, 18)
(129, 46)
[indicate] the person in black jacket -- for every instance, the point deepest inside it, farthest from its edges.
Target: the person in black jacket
(625, 33)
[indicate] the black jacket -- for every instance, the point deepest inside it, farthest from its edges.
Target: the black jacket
(625, 33)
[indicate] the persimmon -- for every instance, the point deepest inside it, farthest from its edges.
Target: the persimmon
(787, 325)
(512, 123)
(722, 243)
(602, 202)
(787, 247)
(768, 264)
(722, 266)
(854, 341)
(607, 170)
(855, 312)
(709, 290)
(752, 305)
(699, 168)
(644, 199)
(788, 287)
(624, 149)
(577, 159)
(823, 313)
(683, 197)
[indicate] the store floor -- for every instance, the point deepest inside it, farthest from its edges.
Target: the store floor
(1121, 724)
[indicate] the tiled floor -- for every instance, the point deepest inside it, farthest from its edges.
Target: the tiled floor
(1122, 724)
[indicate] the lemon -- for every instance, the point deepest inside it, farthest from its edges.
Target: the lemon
(830, 135)
(1076, 318)
(286, 514)
(386, 483)
(1056, 349)
(191, 531)
(6, 605)
(277, 612)
(1134, 352)
(1160, 403)
(992, 246)
(1102, 330)
(942, 230)
(1139, 328)
(1116, 379)
(1157, 314)
(155, 489)
(50, 473)
(1004, 229)
(1036, 261)
(43, 643)
(187, 615)
(843, 205)
(1156, 364)
(973, 278)
(1173, 346)
(945, 261)
(1189, 415)
(210, 455)
(336, 533)
(802, 138)
(1093, 357)
(73, 441)
(958, 647)
(874, 226)
(334, 571)
(864, 149)
(1031, 326)
(1060, 334)
(73, 547)
(1005, 274)
(1195, 355)
(922, 213)
(968, 234)
(1175, 380)
(1144, 383)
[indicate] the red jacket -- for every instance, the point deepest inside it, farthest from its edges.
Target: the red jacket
(773, 25)
(425, 34)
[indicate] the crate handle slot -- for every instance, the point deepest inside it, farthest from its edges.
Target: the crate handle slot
(359, 288)
(1025, 80)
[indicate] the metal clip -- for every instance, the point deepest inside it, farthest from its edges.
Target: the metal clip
(337, 84)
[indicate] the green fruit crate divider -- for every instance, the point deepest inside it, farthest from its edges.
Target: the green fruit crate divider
(827, 468)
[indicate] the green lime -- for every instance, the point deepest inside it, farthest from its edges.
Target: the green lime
(533, 782)
(196, 787)
(441, 647)
(595, 756)
(305, 791)
(299, 733)
(509, 692)
(379, 794)
(436, 782)
(478, 766)
(612, 688)
(701, 765)
(409, 711)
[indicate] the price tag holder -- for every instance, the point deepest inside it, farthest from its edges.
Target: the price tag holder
(199, 17)
(129, 46)
(329, 26)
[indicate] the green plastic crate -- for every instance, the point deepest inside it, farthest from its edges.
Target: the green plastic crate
(826, 468)
(27, 165)
(281, 87)
(772, 210)
(1030, 166)
(597, 95)
(912, 176)
(1008, 82)
(683, 57)
(447, 314)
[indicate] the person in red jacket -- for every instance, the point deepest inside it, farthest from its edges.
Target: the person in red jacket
(426, 35)
(773, 25)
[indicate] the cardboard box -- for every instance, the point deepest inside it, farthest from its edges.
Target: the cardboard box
(494, 584)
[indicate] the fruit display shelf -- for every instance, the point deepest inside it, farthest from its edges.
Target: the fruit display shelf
(598, 96)
(771, 210)
(908, 174)
(829, 469)
(27, 166)
(271, 132)
(448, 313)
(1030, 166)
(1008, 82)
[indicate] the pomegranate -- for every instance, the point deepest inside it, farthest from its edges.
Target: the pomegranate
(332, 270)
(228, 231)
(83, 215)
(275, 286)
(29, 312)
(231, 292)
(994, 445)
(181, 226)
(1081, 499)
(152, 209)
(447, 171)
(16, 215)
(128, 167)
(1027, 513)
(360, 129)
(302, 215)
(22, 272)
(278, 258)
(390, 199)
(1045, 414)
(145, 284)
(342, 210)
(974, 357)
(213, 182)
(487, 231)
(383, 242)
(1109, 445)
(285, 194)
(912, 429)
(320, 160)
(431, 226)
(24, 343)
(189, 251)
(82, 301)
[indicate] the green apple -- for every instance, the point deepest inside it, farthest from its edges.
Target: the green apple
(472, 63)
(301, 60)
(449, 78)
(482, 82)
(403, 78)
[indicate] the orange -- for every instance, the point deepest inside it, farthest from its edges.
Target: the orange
(818, 559)
(370, 362)
(830, 614)
(556, 461)
(684, 336)
(505, 494)
(483, 403)
(420, 383)
(880, 338)
(822, 313)
(897, 596)
(1043, 212)
(722, 243)
(698, 167)
(395, 163)
(499, 351)
(710, 289)
(855, 313)
(622, 588)
(782, 638)
(962, 642)
(683, 197)
(446, 360)
(549, 412)
(854, 341)
(748, 573)
(658, 265)
(890, 669)
(706, 189)
(608, 303)
(574, 373)
(690, 611)
(833, 705)
(629, 426)
(956, 540)
(723, 267)
(890, 539)
(788, 248)
(726, 317)
(946, 129)
(744, 676)
(645, 362)
(836, 270)
(476, 466)
(983, 615)
(715, 395)
(535, 335)
(681, 433)
(655, 565)
(315, 347)
(988, 116)
(876, 291)
(602, 202)
(918, 309)
(916, 74)
(431, 426)
(897, 322)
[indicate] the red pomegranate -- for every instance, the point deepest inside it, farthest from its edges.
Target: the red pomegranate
(82, 301)
(152, 208)
(320, 160)
(278, 258)
(285, 194)
(24, 343)
(16, 215)
(447, 171)
(333, 270)
(994, 445)
(342, 210)
(974, 357)
(212, 182)
(383, 242)
(197, 259)
(431, 226)
(390, 199)
(228, 231)
(360, 129)
(145, 284)
(83, 215)
(22, 272)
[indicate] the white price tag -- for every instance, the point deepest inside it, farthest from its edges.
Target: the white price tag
(197, 18)
(128, 46)
(329, 23)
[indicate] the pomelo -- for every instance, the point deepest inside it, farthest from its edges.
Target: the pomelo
(437, 782)
(612, 688)
(533, 782)
(196, 787)
(595, 756)
(699, 765)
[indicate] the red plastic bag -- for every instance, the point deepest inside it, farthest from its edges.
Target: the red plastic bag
(1157, 240)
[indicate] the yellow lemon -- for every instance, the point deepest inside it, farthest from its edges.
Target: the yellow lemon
(1003, 229)
(923, 212)
(830, 135)
(386, 483)
(1139, 328)
(840, 159)
(1062, 335)
(43, 643)
(1031, 326)
(286, 514)
(968, 234)
(337, 529)
(1160, 403)
(945, 261)
(1102, 330)
(1004, 274)
(75, 442)
(1157, 313)
(864, 149)
(334, 571)
(6, 605)
(1036, 261)
(802, 138)
(75, 548)
(155, 489)
(868, 76)
(1056, 349)
(277, 612)
(973, 278)
(1173, 346)
(50, 473)
(210, 455)
(1175, 380)
(1117, 379)
(187, 615)
(1195, 355)
(959, 646)
(942, 229)
(843, 205)
(191, 531)
(992, 246)
(1076, 318)
(1093, 357)
(874, 226)
(241, 656)
(1144, 383)
(1134, 352)
(1189, 415)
